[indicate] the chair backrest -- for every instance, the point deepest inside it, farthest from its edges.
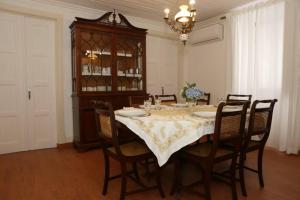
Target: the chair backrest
(167, 99)
(204, 100)
(106, 124)
(136, 101)
(238, 97)
(260, 120)
(229, 124)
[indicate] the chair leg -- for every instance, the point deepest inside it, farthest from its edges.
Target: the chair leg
(123, 180)
(245, 157)
(206, 174)
(158, 181)
(232, 178)
(208, 138)
(147, 168)
(106, 173)
(135, 171)
(259, 167)
(241, 174)
(177, 177)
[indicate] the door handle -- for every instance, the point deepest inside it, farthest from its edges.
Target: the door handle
(29, 94)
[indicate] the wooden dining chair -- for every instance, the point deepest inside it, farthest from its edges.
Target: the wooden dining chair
(204, 100)
(239, 98)
(167, 99)
(229, 126)
(136, 101)
(260, 122)
(130, 152)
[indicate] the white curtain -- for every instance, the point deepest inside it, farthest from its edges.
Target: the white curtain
(264, 63)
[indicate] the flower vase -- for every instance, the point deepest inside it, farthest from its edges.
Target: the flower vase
(191, 102)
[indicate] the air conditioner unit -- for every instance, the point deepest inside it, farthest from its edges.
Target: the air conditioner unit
(207, 34)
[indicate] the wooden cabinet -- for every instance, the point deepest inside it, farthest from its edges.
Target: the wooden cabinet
(109, 64)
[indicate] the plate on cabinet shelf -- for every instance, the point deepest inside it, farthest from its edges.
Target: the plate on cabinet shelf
(96, 74)
(121, 74)
(130, 75)
(103, 88)
(121, 88)
(98, 52)
(124, 55)
(91, 89)
(106, 74)
(85, 73)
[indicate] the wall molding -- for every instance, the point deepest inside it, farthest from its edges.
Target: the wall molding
(166, 34)
(170, 36)
(70, 6)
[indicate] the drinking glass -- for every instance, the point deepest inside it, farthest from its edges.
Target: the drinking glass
(147, 104)
(157, 102)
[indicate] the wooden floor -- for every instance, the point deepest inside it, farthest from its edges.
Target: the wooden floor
(64, 174)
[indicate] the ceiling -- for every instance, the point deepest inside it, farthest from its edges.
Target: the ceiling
(153, 9)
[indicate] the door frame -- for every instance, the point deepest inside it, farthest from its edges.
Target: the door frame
(59, 72)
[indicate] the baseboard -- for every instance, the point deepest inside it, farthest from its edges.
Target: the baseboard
(65, 145)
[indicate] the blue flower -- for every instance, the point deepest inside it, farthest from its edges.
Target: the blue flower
(191, 92)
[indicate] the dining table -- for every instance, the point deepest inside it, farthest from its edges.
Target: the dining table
(167, 129)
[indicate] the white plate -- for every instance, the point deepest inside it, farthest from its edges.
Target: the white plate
(205, 114)
(134, 112)
(154, 106)
(143, 106)
(179, 104)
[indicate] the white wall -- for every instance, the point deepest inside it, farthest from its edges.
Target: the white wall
(162, 54)
(206, 65)
(162, 65)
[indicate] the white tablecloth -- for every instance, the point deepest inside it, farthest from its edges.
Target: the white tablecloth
(167, 131)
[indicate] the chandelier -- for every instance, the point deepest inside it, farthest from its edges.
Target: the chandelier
(184, 20)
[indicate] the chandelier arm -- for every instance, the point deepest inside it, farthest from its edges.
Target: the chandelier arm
(172, 25)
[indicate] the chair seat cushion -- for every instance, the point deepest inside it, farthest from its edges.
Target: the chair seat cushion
(253, 143)
(203, 150)
(131, 149)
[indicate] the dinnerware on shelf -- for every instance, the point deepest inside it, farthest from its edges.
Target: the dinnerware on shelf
(91, 89)
(101, 88)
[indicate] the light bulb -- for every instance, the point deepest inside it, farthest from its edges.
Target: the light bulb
(192, 2)
(167, 11)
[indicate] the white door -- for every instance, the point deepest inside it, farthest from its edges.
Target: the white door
(12, 101)
(40, 79)
(27, 86)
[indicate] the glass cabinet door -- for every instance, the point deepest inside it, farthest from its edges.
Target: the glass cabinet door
(129, 58)
(96, 62)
